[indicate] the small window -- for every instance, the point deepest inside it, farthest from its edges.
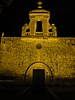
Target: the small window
(28, 30)
(50, 30)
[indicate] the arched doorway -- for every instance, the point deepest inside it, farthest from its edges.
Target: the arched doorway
(39, 68)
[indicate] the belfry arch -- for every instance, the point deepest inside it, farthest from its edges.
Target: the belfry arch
(38, 65)
(39, 26)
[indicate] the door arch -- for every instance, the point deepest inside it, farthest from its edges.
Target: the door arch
(38, 65)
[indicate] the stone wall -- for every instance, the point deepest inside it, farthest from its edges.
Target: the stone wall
(17, 53)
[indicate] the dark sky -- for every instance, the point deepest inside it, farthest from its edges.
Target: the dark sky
(14, 14)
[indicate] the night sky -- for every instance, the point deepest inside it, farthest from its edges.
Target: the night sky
(14, 14)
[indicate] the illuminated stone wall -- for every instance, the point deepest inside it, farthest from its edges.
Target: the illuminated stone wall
(17, 53)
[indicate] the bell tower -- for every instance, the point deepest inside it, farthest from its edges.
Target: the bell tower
(39, 23)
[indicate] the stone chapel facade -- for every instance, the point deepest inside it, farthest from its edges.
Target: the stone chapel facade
(38, 48)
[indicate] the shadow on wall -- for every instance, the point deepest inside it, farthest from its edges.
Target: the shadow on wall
(51, 81)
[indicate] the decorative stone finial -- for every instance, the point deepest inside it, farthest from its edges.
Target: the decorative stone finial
(39, 3)
(3, 34)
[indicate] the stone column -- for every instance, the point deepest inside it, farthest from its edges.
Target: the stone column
(44, 27)
(35, 24)
(32, 26)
